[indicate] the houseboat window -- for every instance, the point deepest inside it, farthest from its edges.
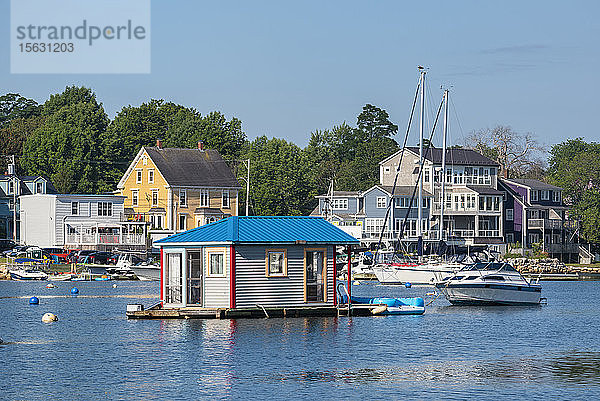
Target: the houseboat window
(225, 198)
(138, 176)
(182, 198)
(75, 208)
(151, 176)
(204, 198)
(174, 281)
(216, 265)
(155, 197)
(545, 195)
(134, 198)
(39, 188)
(426, 176)
(471, 278)
(182, 222)
(510, 214)
(386, 169)
(104, 208)
(276, 263)
(381, 202)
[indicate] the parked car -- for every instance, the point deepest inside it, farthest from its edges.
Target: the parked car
(58, 255)
(6, 244)
(100, 258)
(82, 256)
(17, 252)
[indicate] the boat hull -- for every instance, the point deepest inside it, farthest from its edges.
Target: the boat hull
(22, 275)
(147, 272)
(419, 275)
(491, 294)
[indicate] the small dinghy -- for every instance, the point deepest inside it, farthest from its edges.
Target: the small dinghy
(393, 306)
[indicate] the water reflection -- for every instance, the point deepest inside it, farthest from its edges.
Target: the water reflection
(578, 368)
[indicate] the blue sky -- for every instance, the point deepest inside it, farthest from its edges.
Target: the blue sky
(288, 68)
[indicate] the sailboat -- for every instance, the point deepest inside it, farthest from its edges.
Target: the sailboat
(421, 271)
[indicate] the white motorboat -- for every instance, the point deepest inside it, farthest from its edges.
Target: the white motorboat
(492, 283)
(414, 273)
(28, 274)
(147, 272)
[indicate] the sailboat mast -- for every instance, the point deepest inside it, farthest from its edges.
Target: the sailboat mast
(421, 127)
(443, 178)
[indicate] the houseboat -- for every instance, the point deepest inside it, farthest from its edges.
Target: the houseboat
(252, 261)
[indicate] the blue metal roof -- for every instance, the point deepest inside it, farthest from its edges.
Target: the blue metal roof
(265, 229)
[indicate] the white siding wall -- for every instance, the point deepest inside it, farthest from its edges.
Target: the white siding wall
(37, 222)
(253, 287)
(216, 289)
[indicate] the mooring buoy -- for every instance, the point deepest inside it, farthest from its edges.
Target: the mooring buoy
(74, 291)
(34, 301)
(407, 284)
(49, 317)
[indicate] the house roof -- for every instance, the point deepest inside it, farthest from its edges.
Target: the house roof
(531, 183)
(264, 230)
(402, 190)
(484, 190)
(460, 156)
(192, 167)
(30, 179)
(340, 193)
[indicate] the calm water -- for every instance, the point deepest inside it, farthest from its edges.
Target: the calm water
(94, 352)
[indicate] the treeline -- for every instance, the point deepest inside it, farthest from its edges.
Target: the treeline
(71, 140)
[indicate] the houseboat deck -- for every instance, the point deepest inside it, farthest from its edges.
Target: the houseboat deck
(158, 312)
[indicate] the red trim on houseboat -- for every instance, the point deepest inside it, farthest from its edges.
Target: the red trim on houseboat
(232, 276)
(162, 269)
(334, 278)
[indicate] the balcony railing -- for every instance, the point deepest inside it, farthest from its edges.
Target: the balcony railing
(548, 224)
(112, 239)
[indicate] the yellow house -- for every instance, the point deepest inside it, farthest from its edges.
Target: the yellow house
(176, 189)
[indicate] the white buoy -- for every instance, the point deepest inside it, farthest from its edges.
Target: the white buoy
(50, 285)
(115, 285)
(355, 283)
(49, 318)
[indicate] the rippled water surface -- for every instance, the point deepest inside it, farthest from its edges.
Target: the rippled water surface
(94, 352)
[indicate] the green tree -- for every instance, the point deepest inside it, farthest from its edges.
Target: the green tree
(574, 165)
(65, 146)
(176, 125)
(14, 106)
(351, 156)
(278, 177)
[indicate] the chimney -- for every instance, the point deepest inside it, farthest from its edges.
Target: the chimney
(159, 143)
(200, 145)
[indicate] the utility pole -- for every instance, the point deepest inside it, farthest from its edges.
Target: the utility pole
(12, 171)
(247, 186)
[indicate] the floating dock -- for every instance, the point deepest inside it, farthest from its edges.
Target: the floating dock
(157, 312)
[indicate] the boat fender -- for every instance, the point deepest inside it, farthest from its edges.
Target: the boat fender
(34, 301)
(379, 310)
(407, 284)
(49, 318)
(74, 291)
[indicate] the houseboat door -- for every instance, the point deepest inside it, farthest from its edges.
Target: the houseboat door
(314, 261)
(194, 277)
(174, 281)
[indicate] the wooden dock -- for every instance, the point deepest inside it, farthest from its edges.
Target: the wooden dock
(158, 312)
